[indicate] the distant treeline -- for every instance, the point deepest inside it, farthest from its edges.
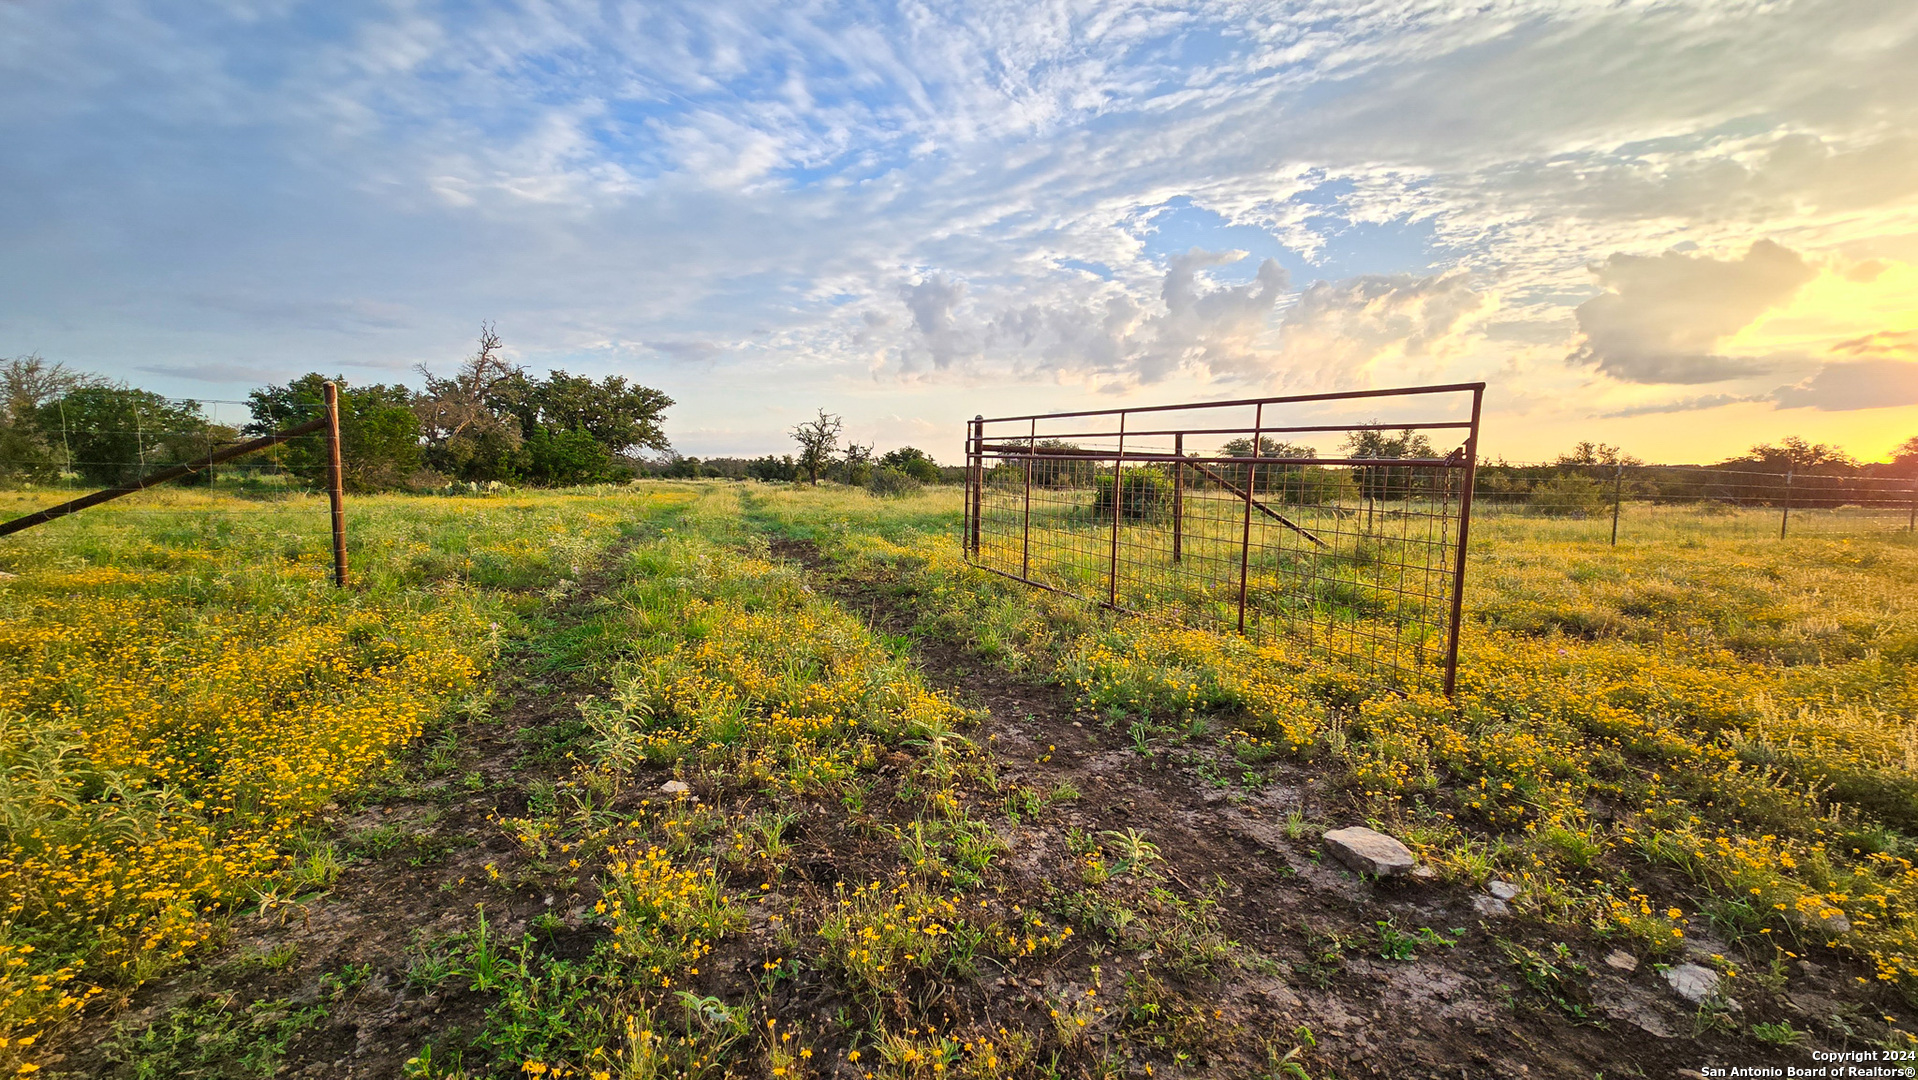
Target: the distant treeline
(492, 421)
(1585, 480)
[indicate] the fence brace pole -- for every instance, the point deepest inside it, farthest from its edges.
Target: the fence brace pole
(1245, 530)
(1178, 495)
(1464, 534)
(1618, 490)
(1786, 516)
(1118, 504)
(41, 517)
(335, 488)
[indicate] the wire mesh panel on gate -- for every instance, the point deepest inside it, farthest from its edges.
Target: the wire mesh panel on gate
(1227, 516)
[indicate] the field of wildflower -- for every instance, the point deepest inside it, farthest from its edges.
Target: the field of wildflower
(791, 791)
(181, 689)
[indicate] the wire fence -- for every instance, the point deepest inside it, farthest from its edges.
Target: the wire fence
(1220, 516)
(125, 455)
(1649, 502)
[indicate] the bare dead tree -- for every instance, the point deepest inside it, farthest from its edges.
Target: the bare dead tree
(818, 440)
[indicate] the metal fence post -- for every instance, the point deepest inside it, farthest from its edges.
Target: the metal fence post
(1464, 534)
(335, 489)
(1911, 523)
(1178, 495)
(1618, 489)
(1245, 532)
(976, 473)
(1786, 516)
(1118, 501)
(1025, 542)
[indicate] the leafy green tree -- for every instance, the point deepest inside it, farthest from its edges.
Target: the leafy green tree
(1381, 481)
(493, 421)
(1793, 454)
(558, 457)
(856, 464)
(379, 432)
(624, 418)
(1270, 477)
(769, 467)
(118, 434)
(912, 461)
(1596, 453)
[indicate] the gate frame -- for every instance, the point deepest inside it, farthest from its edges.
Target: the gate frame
(1465, 459)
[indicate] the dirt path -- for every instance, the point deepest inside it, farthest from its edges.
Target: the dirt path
(1309, 931)
(317, 985)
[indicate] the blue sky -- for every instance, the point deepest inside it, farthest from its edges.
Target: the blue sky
(1678, 226)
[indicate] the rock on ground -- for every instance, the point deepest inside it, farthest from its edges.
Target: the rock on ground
(1370, 852)
(1692, 982)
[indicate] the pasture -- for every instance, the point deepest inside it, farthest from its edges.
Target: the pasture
(712, 779)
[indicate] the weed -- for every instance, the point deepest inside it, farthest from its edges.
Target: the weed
(1552, 975)
(1779, 1034)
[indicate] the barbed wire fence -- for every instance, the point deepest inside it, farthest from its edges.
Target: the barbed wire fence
(123, 455)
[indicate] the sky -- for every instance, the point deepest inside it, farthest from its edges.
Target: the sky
(1678, 227)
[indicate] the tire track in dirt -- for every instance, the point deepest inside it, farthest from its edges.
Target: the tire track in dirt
(425, 847)
(1457, 1012)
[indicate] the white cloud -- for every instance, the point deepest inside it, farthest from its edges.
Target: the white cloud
(597, 177)
(1661, 316)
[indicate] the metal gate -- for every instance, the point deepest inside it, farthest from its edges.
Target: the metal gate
(1225, 515)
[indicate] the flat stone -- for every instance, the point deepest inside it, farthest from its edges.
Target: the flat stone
(1621, 960)
(1504, 890)
(1370, 852)
(676, 787)
(1834, 923)
(1424, 873)
(1490, 905)
(1693, 982)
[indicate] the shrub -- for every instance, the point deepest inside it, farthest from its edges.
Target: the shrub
(1145, 494)
(1569, 496)
(886, 481)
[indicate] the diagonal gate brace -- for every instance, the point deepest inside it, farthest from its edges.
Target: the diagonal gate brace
(1266, 510)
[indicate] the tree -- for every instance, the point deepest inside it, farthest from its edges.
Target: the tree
(1591, 453)
(769, 467)
(469, 428)
(912, 461)
(117, 433)
(818, 441)
(493, 421)
(1271, 477)
(379, 432)
(1385, 482)
(858, 463)
(625, 419)
(1793, 454)
(28, 449)
(1904, 458)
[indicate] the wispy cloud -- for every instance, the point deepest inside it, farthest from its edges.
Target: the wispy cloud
(807, 198)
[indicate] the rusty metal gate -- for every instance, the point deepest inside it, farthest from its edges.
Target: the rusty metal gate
(1226, 515)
